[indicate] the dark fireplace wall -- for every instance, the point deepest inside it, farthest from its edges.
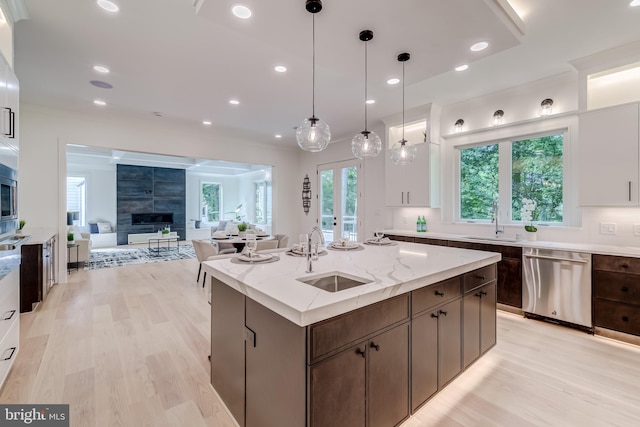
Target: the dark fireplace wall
(143, 189)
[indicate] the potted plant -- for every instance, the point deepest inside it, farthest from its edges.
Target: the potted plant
(528, 206)
(21, 225)
(242, 228)
(70, 239)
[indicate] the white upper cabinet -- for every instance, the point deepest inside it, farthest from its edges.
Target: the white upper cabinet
(609, 149)
(416, 184)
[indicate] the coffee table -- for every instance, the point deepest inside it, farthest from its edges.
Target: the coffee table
(158, 240)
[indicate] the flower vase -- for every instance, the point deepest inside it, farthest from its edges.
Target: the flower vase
(531, 235)
(159, 233)
(19, 231)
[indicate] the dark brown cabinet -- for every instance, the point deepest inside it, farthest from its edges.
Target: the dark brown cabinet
(479, 314)
(37, 272)
(436, 350)
(616, 293)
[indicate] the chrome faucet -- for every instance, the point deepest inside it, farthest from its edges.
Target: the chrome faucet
(495, 209)
(315, 229)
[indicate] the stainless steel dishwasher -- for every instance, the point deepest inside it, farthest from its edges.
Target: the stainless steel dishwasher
(557, 285)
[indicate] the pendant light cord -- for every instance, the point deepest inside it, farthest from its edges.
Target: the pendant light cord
(313, 72)
(365, 85)
(403, 140)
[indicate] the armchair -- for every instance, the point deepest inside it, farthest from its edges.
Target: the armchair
(83, 241)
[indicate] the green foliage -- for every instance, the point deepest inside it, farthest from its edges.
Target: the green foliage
(536, 174)
(21, 224)
(242, 226)
(211, 197)
(531, 228)
(69, 237)
(478, 181)
(236, 212)
(165, 231)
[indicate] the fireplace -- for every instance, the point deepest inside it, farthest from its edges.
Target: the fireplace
(151, 218)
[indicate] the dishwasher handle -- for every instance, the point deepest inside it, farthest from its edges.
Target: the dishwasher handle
(580, 261)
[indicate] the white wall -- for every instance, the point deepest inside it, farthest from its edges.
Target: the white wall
(44, 133)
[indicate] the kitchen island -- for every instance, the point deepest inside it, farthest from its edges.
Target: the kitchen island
(284, 352)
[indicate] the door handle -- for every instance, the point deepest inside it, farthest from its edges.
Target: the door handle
(361, 352)
(439, 293)
(376, 346)
(580, 261)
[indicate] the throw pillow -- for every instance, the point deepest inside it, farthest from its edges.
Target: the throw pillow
(231, 227)
(104, 227)
(222, 224)
(93, 228)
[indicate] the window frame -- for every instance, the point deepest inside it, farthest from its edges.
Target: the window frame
(82, 221)
(505, 186)
(220, 202)
(265, 197)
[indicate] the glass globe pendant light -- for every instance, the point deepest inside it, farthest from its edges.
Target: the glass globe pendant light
(403, 152)
(366, 144)
(313, 134)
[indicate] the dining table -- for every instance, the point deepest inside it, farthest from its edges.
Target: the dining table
(239, 242)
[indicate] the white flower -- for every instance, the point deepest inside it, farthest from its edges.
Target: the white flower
(528, 206)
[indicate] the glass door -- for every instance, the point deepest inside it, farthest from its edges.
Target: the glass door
(339, 195)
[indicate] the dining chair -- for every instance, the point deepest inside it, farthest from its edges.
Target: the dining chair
(283, 240)
(204, 251)
(262, 245)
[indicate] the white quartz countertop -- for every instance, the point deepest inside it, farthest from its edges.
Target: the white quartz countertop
(630, 251)
(393, 270)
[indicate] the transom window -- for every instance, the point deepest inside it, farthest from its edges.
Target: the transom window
(509, 172)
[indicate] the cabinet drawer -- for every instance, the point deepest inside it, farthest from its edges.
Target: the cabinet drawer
(339, 331)
(9, 347)
(427, 241)
(479, 277)
(432, 295)
(9, 311)
(616, 263)
(401, 238)
(616, 286)
(617, 316)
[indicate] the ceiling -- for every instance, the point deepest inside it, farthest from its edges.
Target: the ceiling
(185, 59)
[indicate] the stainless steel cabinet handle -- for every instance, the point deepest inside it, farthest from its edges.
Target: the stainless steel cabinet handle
(408, 198)
(629, 190)
(10, 315)
(403, 197)
(581, 261)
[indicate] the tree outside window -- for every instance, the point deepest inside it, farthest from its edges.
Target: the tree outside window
(77, 197)
(478, 181)
(211, 201)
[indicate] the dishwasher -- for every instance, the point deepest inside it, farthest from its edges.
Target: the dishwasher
(557, 286)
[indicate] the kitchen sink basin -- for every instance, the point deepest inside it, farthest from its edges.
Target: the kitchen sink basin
(334, 282)
(7, 247)
(496, 239)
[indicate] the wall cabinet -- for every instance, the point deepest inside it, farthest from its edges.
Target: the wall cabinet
(479, 313)
(436, 339)
(9, 103)
(416, 184)
(609, 156)
(37, 272)
(616, 293)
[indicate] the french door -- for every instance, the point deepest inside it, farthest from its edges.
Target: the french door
(339, 196)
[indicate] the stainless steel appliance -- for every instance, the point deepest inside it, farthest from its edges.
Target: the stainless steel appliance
(557, 285)
(8, 193)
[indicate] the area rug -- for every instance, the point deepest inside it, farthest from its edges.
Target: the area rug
(118, 257)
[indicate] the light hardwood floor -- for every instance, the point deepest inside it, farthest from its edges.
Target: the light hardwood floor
(128, 346)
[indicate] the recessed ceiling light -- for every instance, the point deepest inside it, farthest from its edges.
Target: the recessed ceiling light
(242, 12)
(234, 102)
(462, 67)
(634, 3)
(101, 69)
(371, 101)
(206, 123)
(278, 136)
(280, 68)
(393, 81)
(99, 102)
(109, 6)
(477, 47)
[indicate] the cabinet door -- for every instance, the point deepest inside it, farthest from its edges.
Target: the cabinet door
(449, 341)
(394, 194)
(227, 347)
(388, 375)
(471, 327)
(337, 389)
(416, 178)
(487, 317)
(275, 369)
(424, 358)
(609, 156)
(510, 282)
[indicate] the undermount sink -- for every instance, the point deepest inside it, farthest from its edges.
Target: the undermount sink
(497, 239)
(334, 282)
(7, 247)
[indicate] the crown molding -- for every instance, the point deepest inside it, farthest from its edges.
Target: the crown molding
(14, 10)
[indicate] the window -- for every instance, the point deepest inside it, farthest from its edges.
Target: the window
(77, 198)
(211, 201)
(509, 172)
(263, 202)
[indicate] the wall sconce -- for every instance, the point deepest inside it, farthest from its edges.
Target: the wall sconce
(546, 106)
(497, 117)
(459, 124)
(306, 194)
